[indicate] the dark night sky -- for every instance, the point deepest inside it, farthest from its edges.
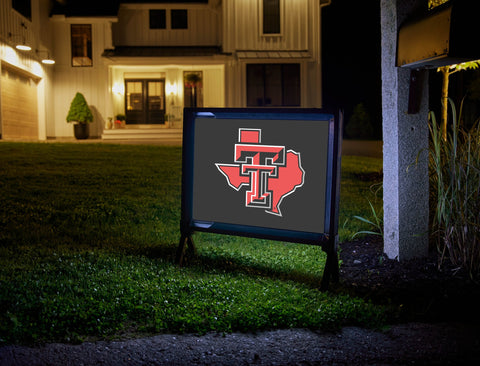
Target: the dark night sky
(351, 57)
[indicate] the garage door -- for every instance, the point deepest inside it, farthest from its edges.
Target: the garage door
(19, 105)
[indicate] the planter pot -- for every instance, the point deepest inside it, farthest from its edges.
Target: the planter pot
(81, 131)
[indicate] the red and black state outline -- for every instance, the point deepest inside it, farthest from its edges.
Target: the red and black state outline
(267, 171)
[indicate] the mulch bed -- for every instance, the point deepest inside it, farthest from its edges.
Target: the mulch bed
(417, 288)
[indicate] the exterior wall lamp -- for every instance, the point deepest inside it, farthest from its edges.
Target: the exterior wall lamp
(47, 60)
(172, 89)
(21, 45)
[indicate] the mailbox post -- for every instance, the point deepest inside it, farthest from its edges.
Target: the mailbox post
(414, 40)
(405, 190)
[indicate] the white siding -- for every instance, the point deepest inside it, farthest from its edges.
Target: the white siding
(300, 32)
(11, 28)
(37, 33)
(133, 28)
(242, 26)
(93, 85)
(15, 28)
(92, 81)
(214, 88)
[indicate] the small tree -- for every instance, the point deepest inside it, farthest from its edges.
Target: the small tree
(359, 125)
(446, 72)
(79, 110)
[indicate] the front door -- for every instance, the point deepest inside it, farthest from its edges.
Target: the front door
(145, 101)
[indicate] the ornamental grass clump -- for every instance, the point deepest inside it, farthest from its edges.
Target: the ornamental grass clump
(455, 181)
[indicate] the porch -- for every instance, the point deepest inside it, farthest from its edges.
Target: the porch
(144, 133)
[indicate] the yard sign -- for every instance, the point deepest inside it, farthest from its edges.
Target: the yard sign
(265, 173)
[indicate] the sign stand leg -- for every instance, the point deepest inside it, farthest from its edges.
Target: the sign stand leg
(331, 271)
(185, 239)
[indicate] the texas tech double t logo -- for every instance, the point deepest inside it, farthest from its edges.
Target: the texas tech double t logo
(268, 172)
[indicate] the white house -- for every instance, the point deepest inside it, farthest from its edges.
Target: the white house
(148, 60)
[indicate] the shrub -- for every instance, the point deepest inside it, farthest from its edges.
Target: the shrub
(455, 179)
(79, 110)
(359, 125)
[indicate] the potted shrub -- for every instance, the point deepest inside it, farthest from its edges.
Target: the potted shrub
(81, 115)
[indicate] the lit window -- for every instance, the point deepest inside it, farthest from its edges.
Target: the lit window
(81, 44)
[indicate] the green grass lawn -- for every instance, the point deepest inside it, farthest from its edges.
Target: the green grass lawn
(88, 234)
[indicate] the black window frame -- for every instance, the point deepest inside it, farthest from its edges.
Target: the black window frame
(88, 45)
(179, 19)
(24, 7)
(271, 17)
(157, 18)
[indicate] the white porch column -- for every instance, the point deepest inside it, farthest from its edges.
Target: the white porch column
(405, 186)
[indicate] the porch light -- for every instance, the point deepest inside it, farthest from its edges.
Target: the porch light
(46, 60)
(21, 45)
(172, 88)
(118, 88)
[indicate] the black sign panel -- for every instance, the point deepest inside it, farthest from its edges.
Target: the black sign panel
(261, 172)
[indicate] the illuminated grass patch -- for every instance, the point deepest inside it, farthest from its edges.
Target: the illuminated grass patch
(88, 234)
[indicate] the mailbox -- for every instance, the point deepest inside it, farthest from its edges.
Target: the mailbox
(445, 36)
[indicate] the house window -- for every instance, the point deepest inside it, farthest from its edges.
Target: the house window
(81, 45)
(179, 18)
(273, 85)
(193, 90)
(271, 16)
(24, 7)
(158, 19)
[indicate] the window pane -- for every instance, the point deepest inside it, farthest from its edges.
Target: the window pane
(271, 16)
(24, 7)
(291, 84)
(81, 44)
(273, 85)
(134, 95)
(255, 85)
(156, 95)
(179, 19)
(158, 19)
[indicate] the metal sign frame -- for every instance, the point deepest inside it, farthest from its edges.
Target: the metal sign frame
(327, 239)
